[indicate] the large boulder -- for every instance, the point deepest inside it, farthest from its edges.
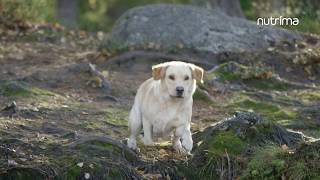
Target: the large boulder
(177, 27)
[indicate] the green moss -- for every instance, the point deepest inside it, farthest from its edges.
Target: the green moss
(42, 92)
(90, 126)
(229, 71)
(118, 117)
(220, 146)
(310, 96)
(307, 24)
(228, 76)
(200, 96)
(268, 110)
(73, 172)
(266, 163)
(13, 88)
(104, 145)
(114, 174)
(258, 106)
(226, 141)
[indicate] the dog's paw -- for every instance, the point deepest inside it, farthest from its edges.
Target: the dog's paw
(181, 150)
(178, 147)
(132, 143)
(187, 145)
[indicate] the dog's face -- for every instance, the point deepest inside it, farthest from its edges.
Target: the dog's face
(178, 78)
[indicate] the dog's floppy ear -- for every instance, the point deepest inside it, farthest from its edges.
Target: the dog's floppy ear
(159, 71)
(197, 73)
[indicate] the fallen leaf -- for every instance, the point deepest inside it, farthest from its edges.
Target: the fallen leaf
(84, 113)
(284, 147)
(80, 164)
(86, 175)
(23, 159)
(91, 166)
(12, 163)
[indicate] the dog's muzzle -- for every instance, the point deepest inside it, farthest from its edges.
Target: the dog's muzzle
(179, 91)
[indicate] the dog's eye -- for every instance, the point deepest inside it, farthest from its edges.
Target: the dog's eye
(171, 77)
(186, 78)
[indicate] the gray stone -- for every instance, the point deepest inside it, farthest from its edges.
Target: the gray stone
(196, 28)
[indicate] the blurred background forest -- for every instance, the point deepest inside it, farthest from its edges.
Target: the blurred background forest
(100, 15)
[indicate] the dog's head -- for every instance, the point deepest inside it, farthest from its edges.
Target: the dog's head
(178, 78)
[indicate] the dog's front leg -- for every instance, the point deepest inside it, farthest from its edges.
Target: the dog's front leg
(186, 142)
(147, 130)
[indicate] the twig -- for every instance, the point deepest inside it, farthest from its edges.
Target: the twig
(105, 83)
(222, 168)
(229, 166)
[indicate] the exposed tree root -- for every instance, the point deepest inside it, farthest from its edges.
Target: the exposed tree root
(85, 139)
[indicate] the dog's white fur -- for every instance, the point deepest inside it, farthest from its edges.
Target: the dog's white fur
(160, 110)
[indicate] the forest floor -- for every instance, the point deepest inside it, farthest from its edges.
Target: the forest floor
(59, 103)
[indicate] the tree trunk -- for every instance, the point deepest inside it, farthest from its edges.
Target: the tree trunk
(67, 12)
(230, 7)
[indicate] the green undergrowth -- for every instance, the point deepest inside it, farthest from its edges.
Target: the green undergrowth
(273, 162)
(266, 163)
(23, 173)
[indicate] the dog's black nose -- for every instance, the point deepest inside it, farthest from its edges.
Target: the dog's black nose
(179, 90)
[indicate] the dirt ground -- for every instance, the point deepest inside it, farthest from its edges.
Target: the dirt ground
(58, 101)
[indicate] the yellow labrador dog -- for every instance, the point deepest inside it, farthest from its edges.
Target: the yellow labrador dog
(163, 105)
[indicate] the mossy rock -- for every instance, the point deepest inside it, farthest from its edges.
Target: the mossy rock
(235, 138)
(230, 143)
(16, 88)
(200, 95)
(254, 77)
(233, 71)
